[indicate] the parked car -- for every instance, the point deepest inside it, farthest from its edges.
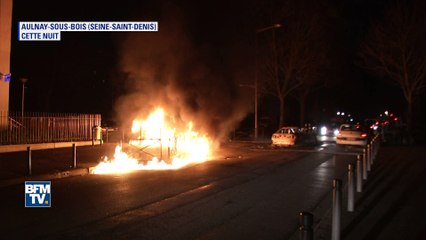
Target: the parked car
(285, 136)
(352, 134)
(289, 136)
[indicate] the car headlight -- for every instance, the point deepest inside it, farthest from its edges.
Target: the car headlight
(336, 132)
(323, 131)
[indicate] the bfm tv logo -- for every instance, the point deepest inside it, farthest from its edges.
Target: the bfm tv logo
(37, 194)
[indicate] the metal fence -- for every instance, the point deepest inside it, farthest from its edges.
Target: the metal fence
(16, 128)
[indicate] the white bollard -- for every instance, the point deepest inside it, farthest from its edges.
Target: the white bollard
(368, 157)
(74, 155)
(337, 209)
(364, 164)
(29, 160)
(358, 173)
(351, 188)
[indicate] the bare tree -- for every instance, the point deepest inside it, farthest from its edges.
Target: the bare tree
(395, 48)
(296, 57)
(279, 75)
(311, 70)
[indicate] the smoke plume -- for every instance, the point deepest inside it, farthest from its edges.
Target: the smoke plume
(167, 69)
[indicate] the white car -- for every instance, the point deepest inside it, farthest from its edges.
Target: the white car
(285, 136)
(352, 134)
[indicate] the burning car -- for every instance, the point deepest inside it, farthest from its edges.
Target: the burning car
(167, 146)
(285, 136)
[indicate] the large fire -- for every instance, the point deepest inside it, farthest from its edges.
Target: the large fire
(167, 146)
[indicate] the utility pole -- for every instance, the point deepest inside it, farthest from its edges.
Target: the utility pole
(23, 80)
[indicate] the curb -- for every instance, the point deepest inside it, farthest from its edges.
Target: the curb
(48, 176)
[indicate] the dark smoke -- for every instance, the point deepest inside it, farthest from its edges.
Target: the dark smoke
(167, 69)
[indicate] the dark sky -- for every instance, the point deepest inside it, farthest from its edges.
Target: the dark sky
(81, 67)
(81, 73)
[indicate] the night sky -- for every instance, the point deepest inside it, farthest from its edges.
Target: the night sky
(82, 72)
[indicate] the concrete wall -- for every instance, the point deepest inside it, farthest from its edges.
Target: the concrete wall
(5, 39)
(41, 146)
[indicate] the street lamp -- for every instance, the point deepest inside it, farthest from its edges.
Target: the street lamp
(23, 81)
(256, 84)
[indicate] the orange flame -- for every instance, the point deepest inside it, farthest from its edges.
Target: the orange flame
(155, 134)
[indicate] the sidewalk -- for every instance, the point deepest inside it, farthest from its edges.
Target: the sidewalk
(392, 204)
(50, 163)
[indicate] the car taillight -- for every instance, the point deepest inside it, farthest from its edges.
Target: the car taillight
(364, 135)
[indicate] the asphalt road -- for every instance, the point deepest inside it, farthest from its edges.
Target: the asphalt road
(246, 193)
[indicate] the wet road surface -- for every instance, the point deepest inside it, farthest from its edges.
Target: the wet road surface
(248, 192)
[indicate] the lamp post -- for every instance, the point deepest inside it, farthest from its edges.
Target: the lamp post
(256, 82)
(23, 80)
